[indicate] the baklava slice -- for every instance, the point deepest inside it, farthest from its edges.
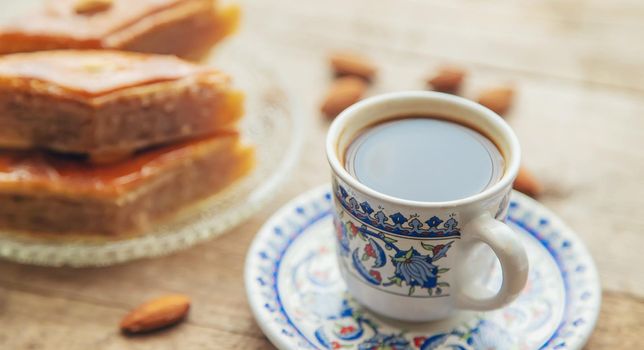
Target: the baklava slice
(185, 28)
(108, 104)
(49, 194)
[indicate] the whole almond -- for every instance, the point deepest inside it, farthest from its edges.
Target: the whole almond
(344, 63)
(157, 313)
(497, 99)
(343, 93)
(527, 183)
(447, 79)
(88, 7)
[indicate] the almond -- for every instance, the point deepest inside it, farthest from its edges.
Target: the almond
(344, 63)
(447, 79)
(89, 7)
(343, 93)
(527, 183)
(157, 313)
(497, 99)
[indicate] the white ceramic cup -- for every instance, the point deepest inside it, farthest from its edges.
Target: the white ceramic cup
(420, 261)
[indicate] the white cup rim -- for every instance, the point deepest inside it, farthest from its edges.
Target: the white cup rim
(338, 125)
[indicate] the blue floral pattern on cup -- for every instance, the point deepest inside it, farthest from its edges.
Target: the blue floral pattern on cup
(397, 222)
(384, 250)
(411, 268)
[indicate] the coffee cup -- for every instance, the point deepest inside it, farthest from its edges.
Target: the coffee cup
(418, 260)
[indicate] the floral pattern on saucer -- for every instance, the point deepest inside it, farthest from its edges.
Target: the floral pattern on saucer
(299, 299)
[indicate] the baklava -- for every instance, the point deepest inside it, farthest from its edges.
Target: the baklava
(54, 194)
(186, 28)
(108, 104)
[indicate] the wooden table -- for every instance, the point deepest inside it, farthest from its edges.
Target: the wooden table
(579, 69)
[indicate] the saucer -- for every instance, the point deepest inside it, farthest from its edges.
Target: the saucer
(299, 299)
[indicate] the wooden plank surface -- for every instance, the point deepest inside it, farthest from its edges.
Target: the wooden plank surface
(579, 70)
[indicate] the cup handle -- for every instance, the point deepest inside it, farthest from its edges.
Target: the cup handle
(514, 262)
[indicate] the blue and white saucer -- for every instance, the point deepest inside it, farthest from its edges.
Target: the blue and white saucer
(300, 301)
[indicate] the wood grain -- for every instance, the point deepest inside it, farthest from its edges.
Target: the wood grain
(620, 323)
(578, 67)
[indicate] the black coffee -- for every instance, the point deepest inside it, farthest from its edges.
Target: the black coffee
(424, 159)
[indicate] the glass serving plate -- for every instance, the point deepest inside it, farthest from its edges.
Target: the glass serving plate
(270, 124)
